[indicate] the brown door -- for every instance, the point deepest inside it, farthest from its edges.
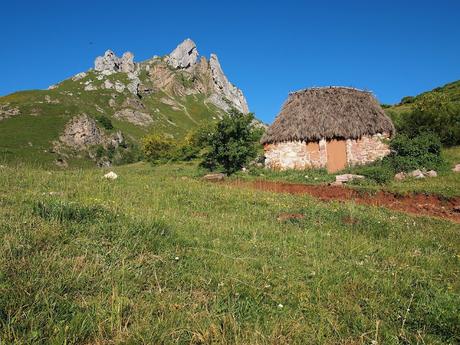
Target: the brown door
(336, 155)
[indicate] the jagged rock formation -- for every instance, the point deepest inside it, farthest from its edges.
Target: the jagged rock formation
(110, 63)
(184, 56)
(135, 117)
(225, 89)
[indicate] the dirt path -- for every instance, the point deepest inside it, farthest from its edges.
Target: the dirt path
(418, 204)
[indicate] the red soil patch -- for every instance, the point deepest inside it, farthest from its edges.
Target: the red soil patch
(418, 204)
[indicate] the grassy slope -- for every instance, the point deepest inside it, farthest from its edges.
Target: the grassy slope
(28, 137)
(98, 264)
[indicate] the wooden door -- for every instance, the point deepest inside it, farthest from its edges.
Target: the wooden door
(336, 155)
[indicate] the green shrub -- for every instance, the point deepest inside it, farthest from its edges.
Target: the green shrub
(433, 113)
(420, 152)
(233, 144)
(380, 172)
(105, 122)
(157, 148)
(407, 100)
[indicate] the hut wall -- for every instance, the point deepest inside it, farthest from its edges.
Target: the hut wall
(367, 149)
(301, 155)
(295, 155)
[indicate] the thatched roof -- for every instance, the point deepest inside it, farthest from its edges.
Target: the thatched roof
(328, 112)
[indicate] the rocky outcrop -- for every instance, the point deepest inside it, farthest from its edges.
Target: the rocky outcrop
(136, 117)
(81, 132)
(226, 90)
(110, 63)
(184, 56)
(7, 111)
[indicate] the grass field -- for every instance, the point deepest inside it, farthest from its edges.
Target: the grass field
(159, 256)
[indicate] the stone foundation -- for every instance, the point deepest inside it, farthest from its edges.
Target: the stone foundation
(300, 155)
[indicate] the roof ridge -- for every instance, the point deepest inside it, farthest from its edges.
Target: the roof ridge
(329, 87)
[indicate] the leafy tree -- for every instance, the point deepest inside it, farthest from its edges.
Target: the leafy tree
(233, 144)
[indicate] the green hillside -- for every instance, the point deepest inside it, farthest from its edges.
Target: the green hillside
(450, 91)
(43, 115)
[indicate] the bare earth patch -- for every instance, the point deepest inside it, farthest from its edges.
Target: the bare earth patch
(418, 204)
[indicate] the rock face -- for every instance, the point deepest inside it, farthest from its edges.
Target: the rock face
(184, 56)
(82, 132)
(134, 116)
(7, 111)
(110, 63)
(225, 89)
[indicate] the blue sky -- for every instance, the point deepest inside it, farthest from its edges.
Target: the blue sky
(267, 48)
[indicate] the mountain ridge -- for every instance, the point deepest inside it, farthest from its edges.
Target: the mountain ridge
(170, 95)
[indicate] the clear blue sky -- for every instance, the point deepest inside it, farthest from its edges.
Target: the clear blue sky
(267, 48)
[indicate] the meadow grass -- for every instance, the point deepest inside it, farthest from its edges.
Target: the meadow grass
(161, 257)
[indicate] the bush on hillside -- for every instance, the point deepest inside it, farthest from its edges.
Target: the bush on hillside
(419, 152)
(433, 113)
(407, 100)
(233, 144)
(105, 122)
(157, 148)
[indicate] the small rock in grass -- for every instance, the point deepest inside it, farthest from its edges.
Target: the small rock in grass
(417, 174)
(111, 176)
(400, 176)
(431, 173)
(347, 177)
(456, 168)
(280, 306)
(336, 183)
(215, 177)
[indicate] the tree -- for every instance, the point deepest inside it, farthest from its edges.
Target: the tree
(233, 144)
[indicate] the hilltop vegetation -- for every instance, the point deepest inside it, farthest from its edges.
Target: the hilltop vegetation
(436, 111)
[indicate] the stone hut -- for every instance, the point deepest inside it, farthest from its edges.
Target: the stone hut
(327, 127)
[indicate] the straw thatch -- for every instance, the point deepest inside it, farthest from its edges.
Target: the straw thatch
(328, 112)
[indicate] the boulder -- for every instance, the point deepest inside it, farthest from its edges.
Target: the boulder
(456, 168)
(215, 177)
(400, 176)
(111, 176)
(184, 56)
(347, 178)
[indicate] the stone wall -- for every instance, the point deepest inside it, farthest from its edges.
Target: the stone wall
(367, 149)
(301, 155)
(295, 155)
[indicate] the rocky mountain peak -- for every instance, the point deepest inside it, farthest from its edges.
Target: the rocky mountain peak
(110, 63)
(184, 56)
(227, 90)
